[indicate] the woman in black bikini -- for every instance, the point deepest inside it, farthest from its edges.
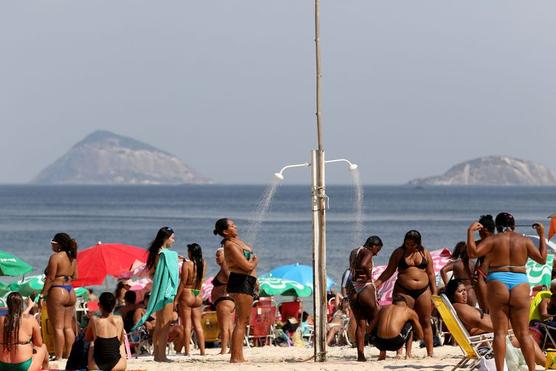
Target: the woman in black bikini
(107, 334)
(59, 294)
(242, 282)
(223, 302)
(416, 280)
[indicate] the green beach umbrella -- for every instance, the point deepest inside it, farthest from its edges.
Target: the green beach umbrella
(4, 289)
(540, 274)
(274, 286)
(12, 266)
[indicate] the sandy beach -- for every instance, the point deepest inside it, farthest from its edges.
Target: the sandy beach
(293, 358)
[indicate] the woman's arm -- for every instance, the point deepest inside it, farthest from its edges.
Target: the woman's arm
(390, 269)
(50, 276)
(430, 272)
(75, 276)
(238, 258)
(36, 334)
(183, 280)
(444, 272)
(538, 255)
(543, 309)
(484, 247)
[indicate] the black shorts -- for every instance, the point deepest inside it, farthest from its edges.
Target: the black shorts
(394, 343)
(241, 284)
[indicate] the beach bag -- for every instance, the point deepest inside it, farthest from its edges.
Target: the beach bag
(78, 357)
(550, 359)
(514, 357)
(488, 364)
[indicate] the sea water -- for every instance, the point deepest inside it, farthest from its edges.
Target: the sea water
(31, 215)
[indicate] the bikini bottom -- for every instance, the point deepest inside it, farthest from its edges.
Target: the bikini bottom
(510, 279)
(239, 283)
(222, 298)
(394, 343)
(412, 292)
(67, 287)
(22, 366)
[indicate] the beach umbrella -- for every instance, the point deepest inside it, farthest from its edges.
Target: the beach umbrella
(103, 259)
(298, 273)
(540, 274)
(274, 286)
(4, 289)
(12, 266)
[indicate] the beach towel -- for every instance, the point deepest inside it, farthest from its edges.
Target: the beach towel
(165, 284)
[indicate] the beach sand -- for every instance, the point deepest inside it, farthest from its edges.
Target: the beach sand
(292, 358)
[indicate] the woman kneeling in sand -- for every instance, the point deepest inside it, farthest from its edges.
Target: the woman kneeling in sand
(242, 282)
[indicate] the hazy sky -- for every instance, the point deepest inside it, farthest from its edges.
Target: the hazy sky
(409, 87)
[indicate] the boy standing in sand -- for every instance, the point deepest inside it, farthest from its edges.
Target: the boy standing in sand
(393, 327)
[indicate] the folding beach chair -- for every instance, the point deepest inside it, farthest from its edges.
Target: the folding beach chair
(534, 315)
(468, 344)
(290, 309)
(261, 325)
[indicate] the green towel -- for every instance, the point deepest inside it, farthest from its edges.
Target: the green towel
(165, 284)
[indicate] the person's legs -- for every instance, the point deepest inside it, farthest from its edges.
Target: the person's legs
(382, 355)
(243, 307)
(224, 316)
(196, 319)
(40, 358)
(69, 323)
(519, 318)
(56, 314)
(162, 328)
(423, 307)
(364, 308)
(499, 297)
(185, 318)
(408, 344)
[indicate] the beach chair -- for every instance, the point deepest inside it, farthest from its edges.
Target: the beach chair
(209, 322)
(468, 344)
(290, 309)
(534, 315)
(261, 325)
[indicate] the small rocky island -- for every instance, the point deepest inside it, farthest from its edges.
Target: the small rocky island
(105, 158)
(493, 171)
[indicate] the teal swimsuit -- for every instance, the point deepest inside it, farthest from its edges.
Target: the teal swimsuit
(23, 366)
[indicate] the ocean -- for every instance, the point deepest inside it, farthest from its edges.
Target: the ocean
(31, 215)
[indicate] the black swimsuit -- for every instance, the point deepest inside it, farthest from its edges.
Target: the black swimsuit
(394, 343)
(402, 264)
(241, 284)
(106, 352)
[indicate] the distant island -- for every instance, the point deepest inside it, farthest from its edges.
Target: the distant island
(105, 158)
(493, 171)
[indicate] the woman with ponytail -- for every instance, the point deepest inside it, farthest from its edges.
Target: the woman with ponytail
(189, 297)
(59, 294)
(21, 345)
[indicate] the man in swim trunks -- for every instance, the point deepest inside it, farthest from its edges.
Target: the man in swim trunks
(361, 291)
(508, 285)
(393, 327)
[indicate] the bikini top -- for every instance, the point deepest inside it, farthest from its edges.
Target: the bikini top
(402, 264)
(21, 342)
(216, 282)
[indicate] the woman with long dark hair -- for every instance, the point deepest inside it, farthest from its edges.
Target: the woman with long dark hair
(223, 302)
(242, 282)
(189, 297)
(162, 264)
(59, 294)
(21, 342)
(416, 280)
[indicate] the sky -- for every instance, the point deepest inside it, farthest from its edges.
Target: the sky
(409, 88)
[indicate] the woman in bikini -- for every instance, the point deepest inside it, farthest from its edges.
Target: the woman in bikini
(242, 263)
(189, 299)
(507, 282)
(59, 294)
(477, 322)
(107, 336)
(416, 280)
(360, 290)
(223, 301)
(22, 348)
(461, 267)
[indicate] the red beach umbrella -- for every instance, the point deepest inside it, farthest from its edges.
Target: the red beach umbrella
(96, 262)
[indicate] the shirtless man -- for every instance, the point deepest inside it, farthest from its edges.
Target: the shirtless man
(507, 282)
(361, 291)
(393, 327)
(242, 282)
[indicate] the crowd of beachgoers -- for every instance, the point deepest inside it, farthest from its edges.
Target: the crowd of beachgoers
(484, 285)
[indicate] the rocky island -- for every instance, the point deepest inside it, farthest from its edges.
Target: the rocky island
(105, 158)
(493, 171)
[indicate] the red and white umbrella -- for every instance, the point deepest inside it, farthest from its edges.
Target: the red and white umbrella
(440, 258)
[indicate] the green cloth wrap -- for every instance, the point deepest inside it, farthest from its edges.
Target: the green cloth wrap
(165, 284)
